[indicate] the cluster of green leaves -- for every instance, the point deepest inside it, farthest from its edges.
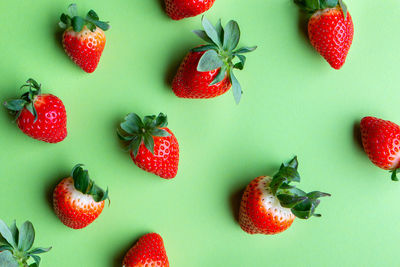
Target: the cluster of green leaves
(302, 204)
(84, 184)
(136, 131)
(26, 100)
(220, 52)
(16, 244)
(91, 20)
(313, 5)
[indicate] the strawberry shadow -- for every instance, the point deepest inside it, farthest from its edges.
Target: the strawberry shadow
(162, 4)
(235, 199)
(357, 135)
(172, 69)
(49, 189)
(118, 259)
(303, 27)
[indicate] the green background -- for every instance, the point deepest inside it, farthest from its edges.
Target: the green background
(294, 103)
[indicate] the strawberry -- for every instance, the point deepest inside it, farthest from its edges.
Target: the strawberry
(16, 245)
(40, 116)
(180, 9)
(148, 251)
(330, 29)
(77, 200)
(207, 70)
(381, 142)
(269, 205)
(153, 147)
(83, 38)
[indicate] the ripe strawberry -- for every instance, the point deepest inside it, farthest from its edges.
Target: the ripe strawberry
(148, 251)
(330, 29)
(40, 116)
(77, 200)
(83, 38)
(207, 71)
(381, 141)
(16, 245)
(153, 147)
(269, 205)
(180, 9)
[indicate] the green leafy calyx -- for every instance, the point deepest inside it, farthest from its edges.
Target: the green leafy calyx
(312, 6)
(84, 184)
(77, 23)
(301, 204)
(16, 245)
(221, 52)
(137, 131)
(27, 100)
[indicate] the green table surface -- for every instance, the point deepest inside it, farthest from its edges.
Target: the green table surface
(294, 103)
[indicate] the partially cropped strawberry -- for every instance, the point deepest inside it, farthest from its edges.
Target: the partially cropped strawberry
(40, 116)
(16, 246)
(330, 29)
(77, 200)
(381, 141)
(153, 147)
(180, 9)
(269, 205)
(148, 251)
(207, 71)
(83, 38)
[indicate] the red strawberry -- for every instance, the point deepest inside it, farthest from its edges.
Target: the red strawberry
(154, 147)
(77, 200)
(207, 71)
(330, 29)
(381, 141)
(269, 205)
(40, 116)
(148, 251)
(83, 38)
(180, 9)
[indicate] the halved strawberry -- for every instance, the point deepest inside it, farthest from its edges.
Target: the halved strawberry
(330, 29)
(77, 200)
(381, 141)
(83, 38)
(40, 116)
(180, 9)
(148, 251)
(207, 70)
(269, 205)
(153, 147)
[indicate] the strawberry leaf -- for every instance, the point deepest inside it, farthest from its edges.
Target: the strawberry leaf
(209, 61)
(149, 143)
(236, 88)
(211, 31)
(77, 23)
(6, 233)
(231, 36)
(73, 10)
(205, 48)
(7, 259)
(26, 236)
(245, 49)
(203, 35)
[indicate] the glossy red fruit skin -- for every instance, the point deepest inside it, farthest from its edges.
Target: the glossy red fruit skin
(381, 142)
(51, 123)
(164, 162)
(148, 251)
(84, 48)
(69, 211)
(331, 35)
(253, 217)
(190, 83)
(180, 9)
